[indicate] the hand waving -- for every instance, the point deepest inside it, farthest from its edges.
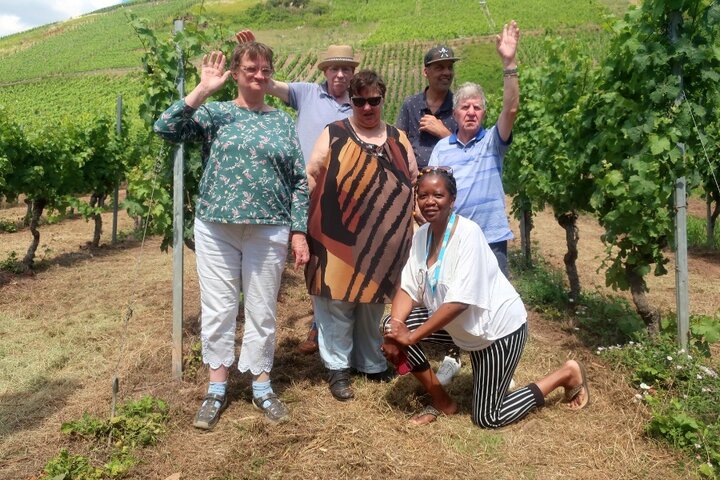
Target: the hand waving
(213, 74)
(244, 36)
(506, 43)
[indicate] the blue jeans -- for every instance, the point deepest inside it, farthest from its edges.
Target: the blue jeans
(349, 334)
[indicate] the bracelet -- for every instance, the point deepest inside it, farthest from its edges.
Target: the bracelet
(510, 72)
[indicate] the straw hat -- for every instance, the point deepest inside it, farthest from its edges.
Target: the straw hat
(338, 55)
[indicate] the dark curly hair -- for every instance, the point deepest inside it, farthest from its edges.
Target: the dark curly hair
(444, 173)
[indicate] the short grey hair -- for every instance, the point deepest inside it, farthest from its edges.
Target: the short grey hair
(466, 91)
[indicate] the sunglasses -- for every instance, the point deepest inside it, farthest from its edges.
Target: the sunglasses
(361, 101)
(443, 170)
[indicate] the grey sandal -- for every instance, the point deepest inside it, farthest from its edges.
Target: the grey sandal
(276, 411)
(209, 412)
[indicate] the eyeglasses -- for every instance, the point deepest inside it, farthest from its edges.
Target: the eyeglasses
(361, 101)
(267, 72)
(448, 171)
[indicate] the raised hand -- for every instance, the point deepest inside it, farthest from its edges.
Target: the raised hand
(213, 74)
(506, 43)
(244, 36)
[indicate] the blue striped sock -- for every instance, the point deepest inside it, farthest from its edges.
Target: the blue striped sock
(218, 388)
(260, 389)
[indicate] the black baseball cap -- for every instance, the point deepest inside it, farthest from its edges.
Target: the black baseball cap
(440, 53)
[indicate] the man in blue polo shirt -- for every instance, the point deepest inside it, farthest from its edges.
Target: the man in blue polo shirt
(427, 117)
(476, 154)
(320, 104)
(317, 105)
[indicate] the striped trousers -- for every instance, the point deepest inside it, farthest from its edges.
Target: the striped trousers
(492, 368)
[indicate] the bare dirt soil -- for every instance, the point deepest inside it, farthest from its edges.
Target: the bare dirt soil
(63, 339)
(703, 266)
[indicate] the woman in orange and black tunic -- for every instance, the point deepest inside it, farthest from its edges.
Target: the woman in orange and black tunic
(360, 173)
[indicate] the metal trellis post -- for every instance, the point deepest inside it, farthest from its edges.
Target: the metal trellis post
(116, 193)
(681, 259)
(178, 227)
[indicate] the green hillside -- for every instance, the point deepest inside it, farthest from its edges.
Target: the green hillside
(81, 65)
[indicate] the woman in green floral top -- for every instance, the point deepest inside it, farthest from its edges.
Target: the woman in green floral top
(253, 197)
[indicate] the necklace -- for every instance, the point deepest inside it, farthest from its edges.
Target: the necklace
(446, 237)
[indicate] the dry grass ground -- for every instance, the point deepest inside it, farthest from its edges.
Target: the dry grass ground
(61, 337)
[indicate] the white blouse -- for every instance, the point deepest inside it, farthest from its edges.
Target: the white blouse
(469, 274)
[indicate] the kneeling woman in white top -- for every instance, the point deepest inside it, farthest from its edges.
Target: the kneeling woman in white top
(452, 291)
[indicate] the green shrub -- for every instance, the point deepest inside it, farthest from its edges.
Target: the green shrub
(65, 466)
(681, 392)
(8, 226)
(607, 320)
(540, 286)
(138, 423)
(12, 264)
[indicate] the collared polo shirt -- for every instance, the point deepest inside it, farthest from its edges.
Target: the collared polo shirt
(316, 109)
(408, 120)
(477, 168)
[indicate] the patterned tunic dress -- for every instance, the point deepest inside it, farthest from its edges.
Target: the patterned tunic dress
(360, 221)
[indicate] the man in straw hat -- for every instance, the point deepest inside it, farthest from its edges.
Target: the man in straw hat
(317, 106)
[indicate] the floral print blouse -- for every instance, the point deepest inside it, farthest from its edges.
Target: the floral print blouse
(254, 171)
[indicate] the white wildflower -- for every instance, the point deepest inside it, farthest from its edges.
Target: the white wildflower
(681, 351)
(708, 371)
(697, 445)
(644, 386)
(678, 367)
(669, 358)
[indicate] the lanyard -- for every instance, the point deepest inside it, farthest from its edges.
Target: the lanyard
(436, 276)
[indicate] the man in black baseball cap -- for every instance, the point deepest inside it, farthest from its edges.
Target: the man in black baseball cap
(427, 116)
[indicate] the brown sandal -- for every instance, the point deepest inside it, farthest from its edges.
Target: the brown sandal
(572, 393)
(430, 411)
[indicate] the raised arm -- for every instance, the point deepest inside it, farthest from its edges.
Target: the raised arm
(212, 78)
(279, 89)
(506, 44)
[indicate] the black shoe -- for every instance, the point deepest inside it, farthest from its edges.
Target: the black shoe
(385, 376)
(339, 381)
